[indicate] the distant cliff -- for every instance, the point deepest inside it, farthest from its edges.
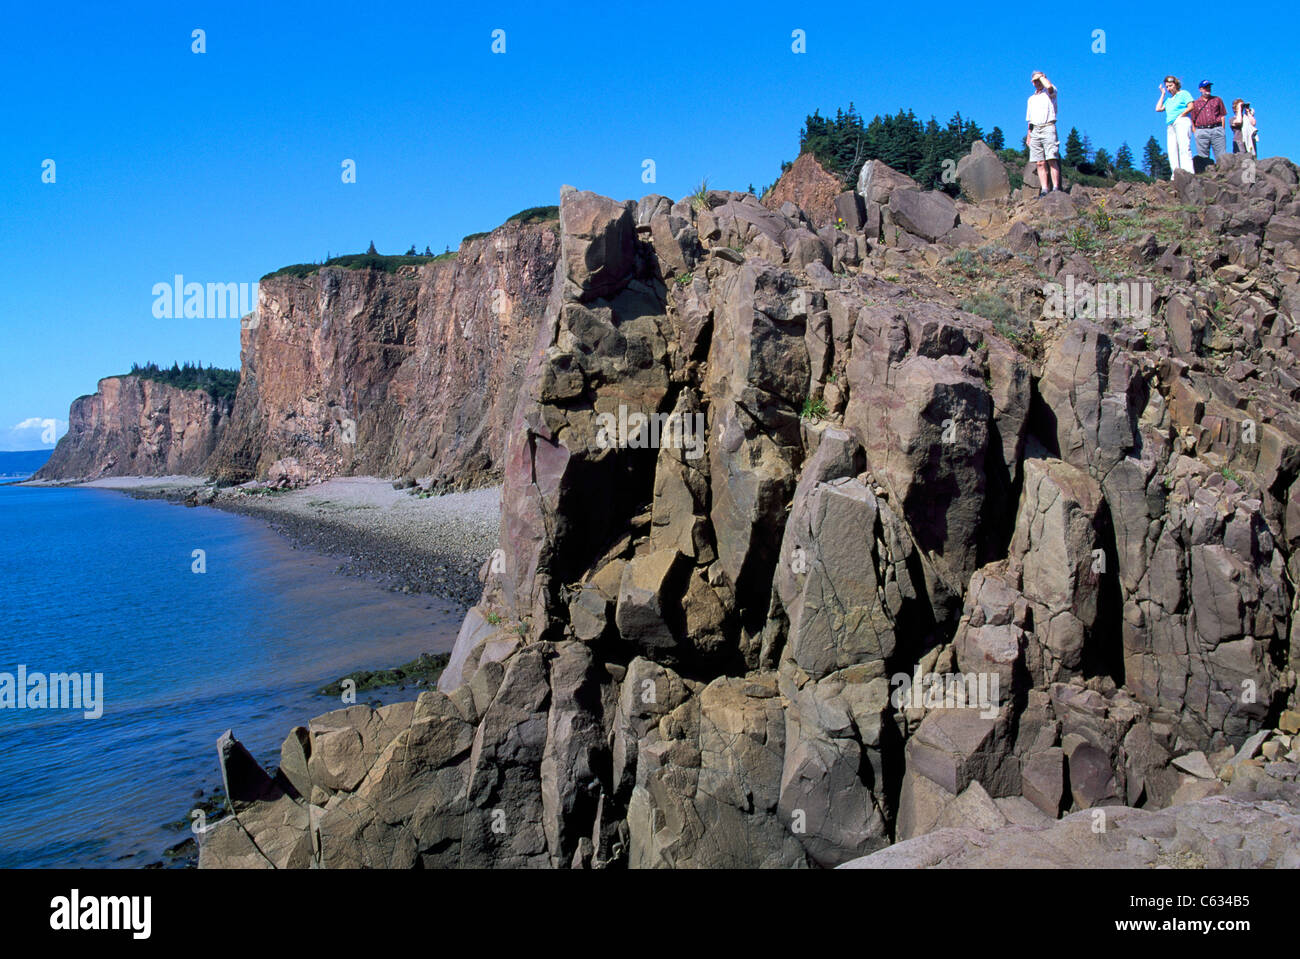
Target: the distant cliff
(136, 426)
(345, 371)
(410, 373)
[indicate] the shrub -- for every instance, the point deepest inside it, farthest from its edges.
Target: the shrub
(995, 308)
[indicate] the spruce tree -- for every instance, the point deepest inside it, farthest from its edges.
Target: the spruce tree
(932, 156)
(912, 146)
(1124, 157)
(1074, 154)
(1154, 161)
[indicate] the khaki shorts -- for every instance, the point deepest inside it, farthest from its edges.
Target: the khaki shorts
(1043, 144)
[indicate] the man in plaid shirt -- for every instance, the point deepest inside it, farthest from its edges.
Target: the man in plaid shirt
(1208, 114)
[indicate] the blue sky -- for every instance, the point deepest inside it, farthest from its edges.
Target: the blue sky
(225, 165)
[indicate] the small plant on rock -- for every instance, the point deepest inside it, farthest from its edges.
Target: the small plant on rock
(700, 198)
(814, 409)
(1100, 218)
(1081, 238)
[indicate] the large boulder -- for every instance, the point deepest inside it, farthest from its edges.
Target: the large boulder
(598, 242)
(924, 213)
(982, 175)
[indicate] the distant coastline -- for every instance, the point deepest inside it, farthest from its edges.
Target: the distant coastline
(17, 465)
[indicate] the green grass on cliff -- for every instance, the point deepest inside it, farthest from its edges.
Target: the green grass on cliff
(219, 384)
(390, 264)
(536, 214)
(359, 261)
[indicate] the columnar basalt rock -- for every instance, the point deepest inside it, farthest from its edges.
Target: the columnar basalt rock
(799, 561)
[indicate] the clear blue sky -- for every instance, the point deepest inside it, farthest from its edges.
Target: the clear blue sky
(225, 165)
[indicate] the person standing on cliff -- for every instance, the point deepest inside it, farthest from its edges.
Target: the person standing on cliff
(1044, 146)
(1244, 131)
(1178, 127)
(1208, 114)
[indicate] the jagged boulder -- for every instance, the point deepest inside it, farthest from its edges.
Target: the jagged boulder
(599, 248)
(928, 214)
(982, 174)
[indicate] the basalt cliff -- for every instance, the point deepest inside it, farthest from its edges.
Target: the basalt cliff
(408, 374)
(963, 555)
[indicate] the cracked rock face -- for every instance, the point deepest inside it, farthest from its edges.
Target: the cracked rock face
(805, 566)
(133, 426)
(407, 374)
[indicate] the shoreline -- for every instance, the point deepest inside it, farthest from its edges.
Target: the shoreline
(434, 545)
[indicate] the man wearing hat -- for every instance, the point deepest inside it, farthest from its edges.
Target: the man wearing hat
(1044, 146)
(1208, 114)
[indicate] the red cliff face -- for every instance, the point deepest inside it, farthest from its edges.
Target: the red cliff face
(406, 374)
(137, 427)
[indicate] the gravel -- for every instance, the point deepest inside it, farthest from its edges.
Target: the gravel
(432, 545)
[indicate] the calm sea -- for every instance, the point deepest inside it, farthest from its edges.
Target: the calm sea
(97, 582)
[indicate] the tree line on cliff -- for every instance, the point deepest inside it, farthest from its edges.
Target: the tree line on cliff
(927, 151)
(219, 383)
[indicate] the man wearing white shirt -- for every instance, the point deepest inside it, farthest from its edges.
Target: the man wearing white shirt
(1044, 147)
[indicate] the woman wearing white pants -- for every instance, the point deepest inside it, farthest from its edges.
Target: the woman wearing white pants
(1178, 125)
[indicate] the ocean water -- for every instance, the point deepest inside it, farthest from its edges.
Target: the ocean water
(97, 582)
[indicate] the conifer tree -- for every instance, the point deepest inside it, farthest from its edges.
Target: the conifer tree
(1074, 153)
(1154, 161)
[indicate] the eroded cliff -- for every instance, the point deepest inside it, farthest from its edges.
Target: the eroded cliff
(411, 373)
(135, 426)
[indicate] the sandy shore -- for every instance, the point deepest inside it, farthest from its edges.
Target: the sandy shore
(432, 545)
